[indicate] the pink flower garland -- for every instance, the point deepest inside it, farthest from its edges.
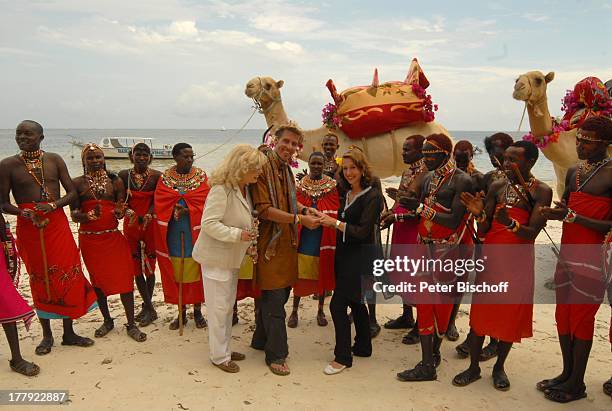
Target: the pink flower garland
(543, 141)
(428, 106)
(569, 104)
(330, 116)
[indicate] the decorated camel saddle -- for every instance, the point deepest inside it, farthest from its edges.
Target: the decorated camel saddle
(365, 111)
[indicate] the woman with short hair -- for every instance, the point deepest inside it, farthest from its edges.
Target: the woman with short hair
(220, 248)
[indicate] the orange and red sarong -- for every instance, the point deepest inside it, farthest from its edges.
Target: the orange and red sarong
(105, 250)
(508, 258)
(168, 243)
(578, 276)
(70, 294)
(140, 202)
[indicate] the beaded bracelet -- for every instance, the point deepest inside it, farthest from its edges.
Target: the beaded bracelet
(482, 217)
(570, 217)
(428, 213)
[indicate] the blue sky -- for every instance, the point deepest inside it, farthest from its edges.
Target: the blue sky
(184, 64)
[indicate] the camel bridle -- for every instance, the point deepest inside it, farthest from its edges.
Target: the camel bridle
(256, 98)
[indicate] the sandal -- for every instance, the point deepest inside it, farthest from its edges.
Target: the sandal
(466, 378)
(174, 325)
(23, 367)
(292, 322)
(78, 341)
(104, 329)
(135, 333)
(237, 356)
(463, 350)
(199, 320)
(500, 380)
(44, 347)
(451, 333)
(548, 384)
(146, 319)
(607, 387)
(419, 373)
(563, 397)
(488, 352)
(279, 368)
(321, 320)
(228, 366)
(411, 338)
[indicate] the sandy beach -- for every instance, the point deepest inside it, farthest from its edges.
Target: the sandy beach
(169, 372)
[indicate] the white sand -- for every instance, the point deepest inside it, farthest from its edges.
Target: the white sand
(168, 372)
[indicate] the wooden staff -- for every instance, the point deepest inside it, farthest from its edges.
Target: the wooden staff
(181, 273)
(43, 249)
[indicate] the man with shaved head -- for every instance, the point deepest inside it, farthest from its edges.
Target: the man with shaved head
(44, 239)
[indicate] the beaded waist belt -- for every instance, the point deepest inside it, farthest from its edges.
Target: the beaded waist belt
(99, 232)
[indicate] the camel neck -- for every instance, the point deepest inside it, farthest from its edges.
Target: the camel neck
(276, 114)
(539, 118)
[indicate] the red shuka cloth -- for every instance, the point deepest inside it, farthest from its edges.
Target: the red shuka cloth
(327, 204)
(165, 200)
(106, 256)
(140, 202)
(404, 233)
(71, 293)
(507, 322)
(573, 318)
(437, 316)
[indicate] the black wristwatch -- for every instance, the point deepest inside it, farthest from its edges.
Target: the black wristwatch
(304, 211)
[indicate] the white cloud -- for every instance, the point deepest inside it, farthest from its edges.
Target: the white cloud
(536, 17)
(423, 25)
(285, 46)
(209, 101)
(183, 29)
(284, 23)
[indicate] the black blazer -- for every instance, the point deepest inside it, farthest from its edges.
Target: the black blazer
(360, 244)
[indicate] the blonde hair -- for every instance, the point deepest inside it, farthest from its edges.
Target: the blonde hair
(242, 159)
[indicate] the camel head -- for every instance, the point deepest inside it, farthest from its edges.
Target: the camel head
(531, 87)
(265, 91)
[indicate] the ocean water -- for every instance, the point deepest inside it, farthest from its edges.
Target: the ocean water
(210, 146)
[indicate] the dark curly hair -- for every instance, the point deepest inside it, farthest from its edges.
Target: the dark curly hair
(602, 126)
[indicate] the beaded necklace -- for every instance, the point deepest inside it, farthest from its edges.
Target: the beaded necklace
(316, 188)
(414, 169)
(511, 197)
(330, 166)
(139, 180)
(183, 182)
(590, 170)
(440, 176)
(97, 181)
(33, 161)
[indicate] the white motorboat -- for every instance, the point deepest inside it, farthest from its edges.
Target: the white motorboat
(119, 147)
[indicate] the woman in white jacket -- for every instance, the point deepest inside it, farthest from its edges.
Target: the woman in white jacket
(220, 248)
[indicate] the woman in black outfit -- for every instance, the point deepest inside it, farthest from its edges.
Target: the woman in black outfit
(357, 245)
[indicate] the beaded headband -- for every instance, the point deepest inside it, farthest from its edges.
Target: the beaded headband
(581, 136)
(90, 147)
(438, 148)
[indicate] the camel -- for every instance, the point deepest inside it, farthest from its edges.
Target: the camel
(531, 88)
(384, 151)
